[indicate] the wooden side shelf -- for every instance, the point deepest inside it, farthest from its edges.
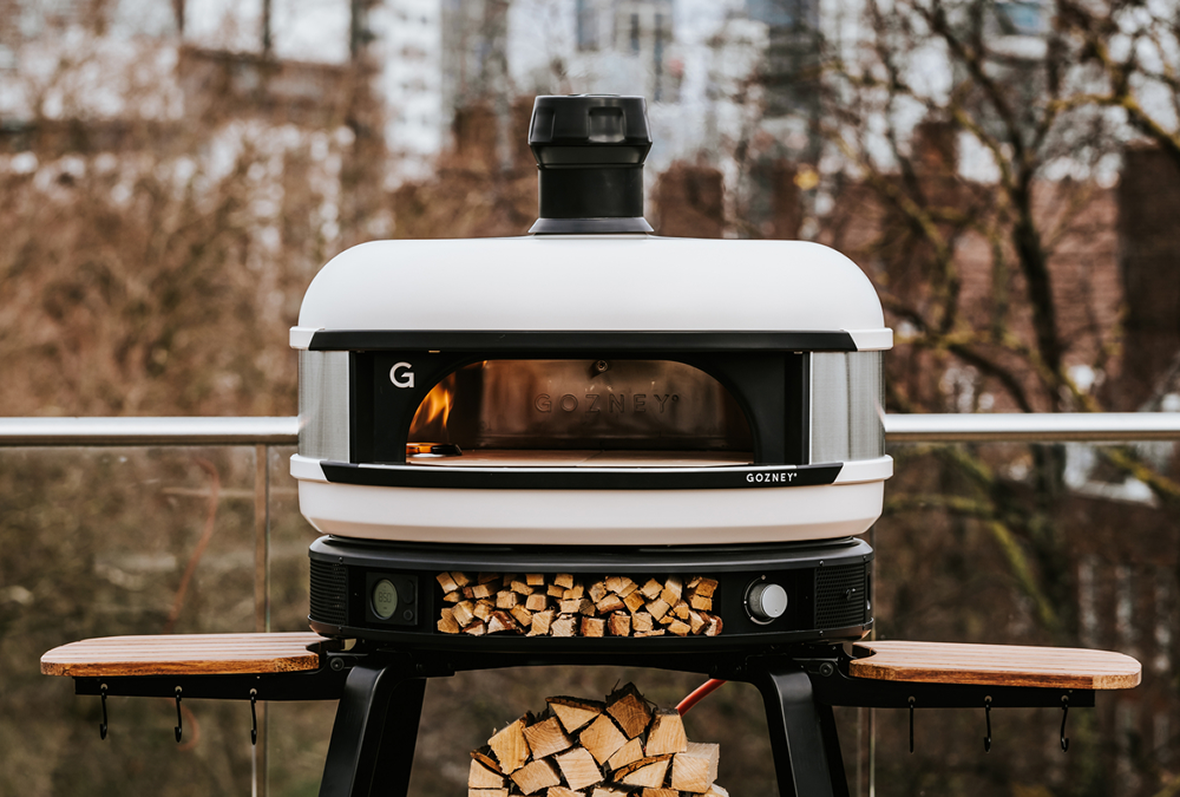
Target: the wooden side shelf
(994, 665)
(184, 654)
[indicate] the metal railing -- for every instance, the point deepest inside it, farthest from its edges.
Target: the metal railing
(264, 433)
(1109, 427)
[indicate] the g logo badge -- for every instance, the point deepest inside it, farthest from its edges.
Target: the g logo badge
(401, 375)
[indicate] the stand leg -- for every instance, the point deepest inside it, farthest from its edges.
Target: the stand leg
(802, 733)
(372, 746)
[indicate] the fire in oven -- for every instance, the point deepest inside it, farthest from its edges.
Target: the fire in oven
(591, 435)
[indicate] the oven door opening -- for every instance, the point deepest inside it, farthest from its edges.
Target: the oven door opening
(579, 413)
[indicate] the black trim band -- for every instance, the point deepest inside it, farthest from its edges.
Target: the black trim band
(650, 343)
(626, 560)
(580, 478)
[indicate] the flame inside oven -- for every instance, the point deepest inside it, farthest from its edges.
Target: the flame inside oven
(430, 420)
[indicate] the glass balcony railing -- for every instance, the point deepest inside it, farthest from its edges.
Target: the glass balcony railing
(1030, 529)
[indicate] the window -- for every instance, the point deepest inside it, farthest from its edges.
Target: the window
(587, 25)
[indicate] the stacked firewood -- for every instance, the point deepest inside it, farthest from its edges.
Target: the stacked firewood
(564, 606)
(587, 748)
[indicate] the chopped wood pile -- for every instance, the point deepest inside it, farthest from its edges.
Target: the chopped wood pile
(620, 747)
(562, 605)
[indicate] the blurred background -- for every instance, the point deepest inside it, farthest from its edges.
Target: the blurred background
(173, 174)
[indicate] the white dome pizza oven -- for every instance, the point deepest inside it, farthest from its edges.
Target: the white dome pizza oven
(590, 400)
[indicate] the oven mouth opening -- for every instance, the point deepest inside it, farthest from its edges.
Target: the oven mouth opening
(596, 413)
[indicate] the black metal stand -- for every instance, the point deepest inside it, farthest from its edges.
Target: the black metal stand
(803, 735)
(376, 729)
(380, 696)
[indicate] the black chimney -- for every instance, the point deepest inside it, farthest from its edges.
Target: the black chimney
(590, 150)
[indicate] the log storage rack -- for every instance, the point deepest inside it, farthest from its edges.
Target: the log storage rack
(380, 691)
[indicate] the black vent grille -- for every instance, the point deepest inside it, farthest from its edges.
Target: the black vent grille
(329, 592)
(840, 596)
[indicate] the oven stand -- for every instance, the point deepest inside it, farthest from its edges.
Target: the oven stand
(802, 732)
(376, 729)
(380, 694)
(372, 745)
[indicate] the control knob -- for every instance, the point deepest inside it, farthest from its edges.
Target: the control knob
(766, 601)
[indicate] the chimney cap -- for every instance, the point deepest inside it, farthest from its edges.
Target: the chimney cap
(590, 150)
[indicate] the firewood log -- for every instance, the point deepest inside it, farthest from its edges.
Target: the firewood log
(447, 582)
(501, 621)
(563, 580)
(562, 791)
(487, 793)
(534, 579)
(652, 589)
(597, 591)
(647, 772)
(564, 625)
(630, 752)
(628, 708)
(480, 777)
(695, 769)
(641, 622)
(541, 623)
(666, 733)
(574, 712)
(485, 757)
(483, 609)
(537, 602)
(475, 628)
(609, 604)
(546, 738)
(463, 612)
(593, 627)
(578, 768)
(460, 579)
(521, 588)
(506, 600)
(673, 589)
(621, 585)
(602, 738)
(609, 791)
(658, 608)
(635, 601)
(510, 747)
(525, 618)
(619, 624)
(575, 606)
(447, 623)
(536, 775)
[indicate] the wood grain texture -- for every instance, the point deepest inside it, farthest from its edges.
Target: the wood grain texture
(994, 665)
(184, 654)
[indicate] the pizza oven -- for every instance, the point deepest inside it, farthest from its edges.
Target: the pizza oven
(593, 402)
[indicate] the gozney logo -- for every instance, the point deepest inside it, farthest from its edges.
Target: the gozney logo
(771, 478)
(402, 375)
